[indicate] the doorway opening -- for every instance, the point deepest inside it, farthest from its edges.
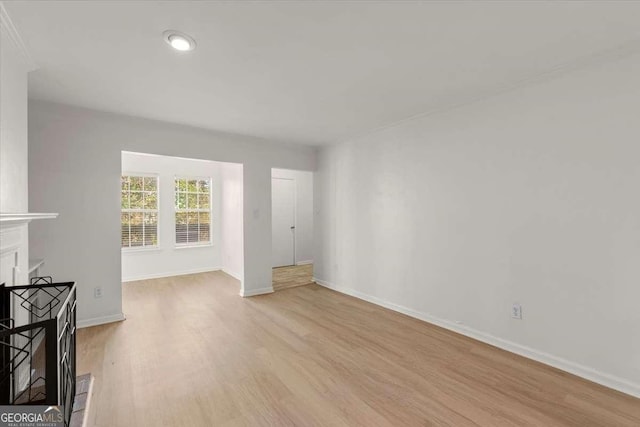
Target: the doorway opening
(291, 228)
(180, 216)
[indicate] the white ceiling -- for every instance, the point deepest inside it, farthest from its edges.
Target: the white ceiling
(307, 72)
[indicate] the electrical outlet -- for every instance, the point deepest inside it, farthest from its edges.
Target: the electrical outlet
(516, 311)
(97, 292)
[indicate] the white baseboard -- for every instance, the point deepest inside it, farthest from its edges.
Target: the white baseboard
(232, 274)
(169, 274)
(253, 292)
(306, 262)
(585, 372)
(95, 321)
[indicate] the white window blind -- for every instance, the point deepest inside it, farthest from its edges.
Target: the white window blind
(193, 211)
(139, 211)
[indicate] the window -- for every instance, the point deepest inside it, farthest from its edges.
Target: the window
(139, 211)
(193, 211)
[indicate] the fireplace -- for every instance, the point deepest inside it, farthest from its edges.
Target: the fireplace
(38, 344)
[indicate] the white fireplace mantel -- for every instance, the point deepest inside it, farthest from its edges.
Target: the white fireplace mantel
(14, 246)
(12, 219)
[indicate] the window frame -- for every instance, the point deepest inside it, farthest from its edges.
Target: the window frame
(198, 244)
(143, 248)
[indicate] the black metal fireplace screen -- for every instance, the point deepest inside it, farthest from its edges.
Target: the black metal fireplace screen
(38, 344)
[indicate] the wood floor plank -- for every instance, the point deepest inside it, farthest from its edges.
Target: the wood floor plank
(292, 276)
(194, 353)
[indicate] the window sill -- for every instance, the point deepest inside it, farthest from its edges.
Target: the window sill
(141, 250)
(198, 245)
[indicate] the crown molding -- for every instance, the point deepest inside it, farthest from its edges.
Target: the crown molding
(6, 24)
(630, 47)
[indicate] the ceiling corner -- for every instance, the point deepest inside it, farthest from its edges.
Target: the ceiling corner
(6, 24)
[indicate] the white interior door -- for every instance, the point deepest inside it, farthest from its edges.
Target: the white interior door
(283, 217)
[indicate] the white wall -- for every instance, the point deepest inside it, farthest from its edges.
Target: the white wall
(13, 120)
(530, 196)
(167, 259)
(304, 212)
(74, 169)
(14, 241)
(14, 198)
(232, 232)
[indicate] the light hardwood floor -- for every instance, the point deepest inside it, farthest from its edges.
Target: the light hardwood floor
(194, 353)
(292, 276)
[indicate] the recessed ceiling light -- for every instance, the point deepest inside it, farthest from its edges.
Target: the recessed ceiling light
(179, 41)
